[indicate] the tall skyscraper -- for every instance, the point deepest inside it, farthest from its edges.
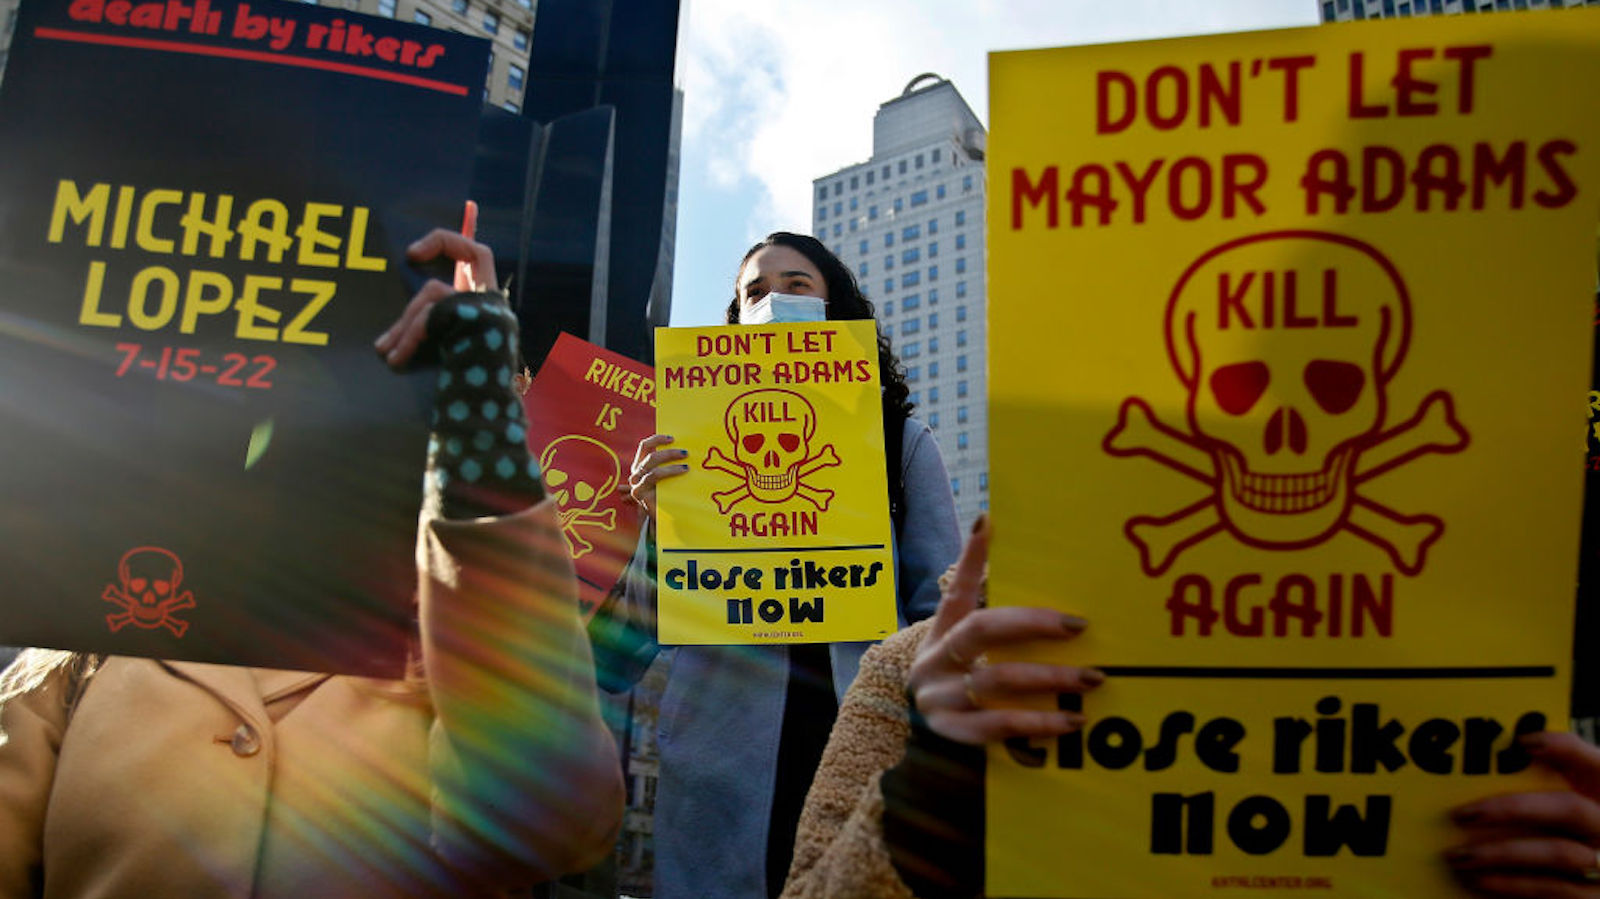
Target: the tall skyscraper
(909, 223)
(1345, 10)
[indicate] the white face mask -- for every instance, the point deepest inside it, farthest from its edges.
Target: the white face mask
(779, 308)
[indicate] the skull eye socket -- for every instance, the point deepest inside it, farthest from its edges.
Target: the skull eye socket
(1334, 385)
(752, 443)
(1239, 386)
(789, 442)
(163, 588)
(137, 583)
(555, 477)
(583, 491)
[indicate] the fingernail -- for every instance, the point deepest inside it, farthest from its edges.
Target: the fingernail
(1094, 677)
(681, 467)
(392, 355)
(1073, 624)
(979, 522)
(681, 453)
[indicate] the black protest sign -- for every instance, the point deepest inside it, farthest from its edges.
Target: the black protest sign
(203, 214)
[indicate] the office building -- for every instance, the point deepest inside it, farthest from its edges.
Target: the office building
(1346, 10)
(909, 223)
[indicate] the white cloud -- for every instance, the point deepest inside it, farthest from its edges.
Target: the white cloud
(778, 92)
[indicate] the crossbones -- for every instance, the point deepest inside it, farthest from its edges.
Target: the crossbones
(727, 499)
(1406, 538)
(572, 519)
(145, 610)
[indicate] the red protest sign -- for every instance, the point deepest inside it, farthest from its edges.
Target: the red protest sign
(588, 408)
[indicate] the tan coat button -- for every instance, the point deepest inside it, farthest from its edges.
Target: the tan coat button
(246, 742)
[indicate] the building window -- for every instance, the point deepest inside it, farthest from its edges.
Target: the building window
(933, 249)
(837, 228)
(961, 415)
(961, 361)
(914, 374)
(515, 76)
(459, 6)
(966, 184)
(933, 296)
(899, 204)
(863, 248)
(421, 18)
(888, 308)
(916, 397)
(888, 330)
(961, 338)
(872, 213)
(521, 38)
(855, 203)
(933, 319)
(491, 21)
(933, 273)
(853, 224)
(961, 291)
(386, 8)
(961, 266)
(961, 389)
(862, 271)
(919, 160)
(888, 239)
(955, 486)
(933, 344)
(870, 174)
(911, 279)
(838, 209)
(961, 241)
(961, 313)
(933, 369)
(938, 192)
(933, 394)
(888, 262)
(888, 285)
(912, 350)
(961, 217)
(822, 212)
(961, 440)
(933, 421)
(911, 232)
(910, 255)
(838, 188)
(933, 227)
(910, 302)
(936, 152)
(910, 326)
(855, 182)
(902, 167)
(886, 174)
(919, 198)
(983, 482)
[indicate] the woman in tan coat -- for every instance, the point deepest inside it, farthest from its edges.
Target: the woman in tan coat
(896, 810)
(489, 770)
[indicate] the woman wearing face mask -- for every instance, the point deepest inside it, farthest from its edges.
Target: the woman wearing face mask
(743, 727)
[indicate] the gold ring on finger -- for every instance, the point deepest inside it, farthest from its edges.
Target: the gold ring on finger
(972, 697)
(961, 662)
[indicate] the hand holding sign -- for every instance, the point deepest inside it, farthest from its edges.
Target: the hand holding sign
(1537, 844)
(650, 465)
(953, 691)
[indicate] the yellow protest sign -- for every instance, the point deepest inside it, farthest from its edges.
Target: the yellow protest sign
(779, 532)
(1297, 318)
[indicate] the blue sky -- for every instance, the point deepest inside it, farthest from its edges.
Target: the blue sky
(778, 92)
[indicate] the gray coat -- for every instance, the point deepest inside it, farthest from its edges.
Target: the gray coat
(723, 708)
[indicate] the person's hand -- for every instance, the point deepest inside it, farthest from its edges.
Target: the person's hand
(1537, 845)
(966, 700)
(474, 272)
(650, 465)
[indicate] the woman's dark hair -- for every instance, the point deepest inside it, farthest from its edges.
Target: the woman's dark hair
(846, 302)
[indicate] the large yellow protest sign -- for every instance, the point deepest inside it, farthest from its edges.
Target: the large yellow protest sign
(779, 532)
(1294, 319)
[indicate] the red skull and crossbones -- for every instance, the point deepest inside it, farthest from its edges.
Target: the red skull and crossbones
(771, 430)
(150, 578)
(1287, 368)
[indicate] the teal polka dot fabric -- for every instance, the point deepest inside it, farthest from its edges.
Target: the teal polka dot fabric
(478, 457)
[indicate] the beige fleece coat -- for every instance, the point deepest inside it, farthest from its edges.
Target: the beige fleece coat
(171, 779)
(839, 851)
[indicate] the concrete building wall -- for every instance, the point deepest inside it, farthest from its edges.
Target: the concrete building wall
(909, 223)
(1346, 10)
